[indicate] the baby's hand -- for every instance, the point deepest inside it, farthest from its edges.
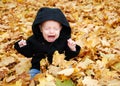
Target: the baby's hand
(72, 44)
(22, 43)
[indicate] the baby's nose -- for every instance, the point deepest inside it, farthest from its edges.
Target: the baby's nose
(51, 30)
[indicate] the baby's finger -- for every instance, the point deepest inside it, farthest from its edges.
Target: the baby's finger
(71, 42)
(22, 43)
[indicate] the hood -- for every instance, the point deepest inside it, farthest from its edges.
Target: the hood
(55, 14)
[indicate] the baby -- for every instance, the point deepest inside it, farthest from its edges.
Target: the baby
(51, 32)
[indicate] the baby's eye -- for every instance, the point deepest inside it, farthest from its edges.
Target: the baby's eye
(46, 28)
(56, 28)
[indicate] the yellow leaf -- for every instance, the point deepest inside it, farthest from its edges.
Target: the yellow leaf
(47, 80)
(75, 15)
(105, 42)
(11, 5)
(20, 0)
(87, 8)
(19, 82)
(88, 81)
(6, 61)
(66, 72)
(104, 61)
(114, 82)
(4, 1)
(53, 70)
(116, 66)
(23, 66)
(9, 79)
(42, 81)
(49, 77)
(84, 64)
(58, 59)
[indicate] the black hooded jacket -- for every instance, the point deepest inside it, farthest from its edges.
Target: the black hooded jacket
(38, 48)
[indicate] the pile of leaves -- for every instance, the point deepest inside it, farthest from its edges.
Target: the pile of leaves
(95, 27)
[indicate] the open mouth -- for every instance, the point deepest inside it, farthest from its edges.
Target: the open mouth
(51, 38)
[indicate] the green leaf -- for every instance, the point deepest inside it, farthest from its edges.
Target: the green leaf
(64, 83)
(117, 66)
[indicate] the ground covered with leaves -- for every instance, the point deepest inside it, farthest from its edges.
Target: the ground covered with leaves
(95, 27)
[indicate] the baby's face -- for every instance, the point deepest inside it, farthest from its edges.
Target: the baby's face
(51, 30)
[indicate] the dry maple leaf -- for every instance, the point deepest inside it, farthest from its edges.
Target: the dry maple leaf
(66, 72)
(84, 64)
(23, 66)
(10, 78)
(88, 81)
(44, 65)
(17, 83)
(54, 70)
(47, 80)
(114, 83)
(116, 66)
(3, 72)
(58, 59)
(6, 61)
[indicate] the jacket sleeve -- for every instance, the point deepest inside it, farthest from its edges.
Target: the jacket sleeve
(70, 54)
(26, 50)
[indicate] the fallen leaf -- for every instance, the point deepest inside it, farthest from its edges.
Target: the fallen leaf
(58, 59)
(64, 83)
(88, 81)
(116, 66)
(66, 72)
(23, 66)
(84, 64)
